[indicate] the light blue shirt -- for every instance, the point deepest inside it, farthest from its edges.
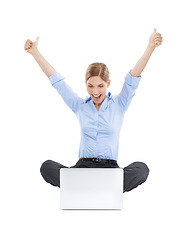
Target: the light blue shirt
(100, 130)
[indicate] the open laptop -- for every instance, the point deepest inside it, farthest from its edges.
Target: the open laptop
(91, 188)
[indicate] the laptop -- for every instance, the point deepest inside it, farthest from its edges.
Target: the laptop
(91, 188)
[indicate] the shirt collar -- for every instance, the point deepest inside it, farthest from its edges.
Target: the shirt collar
(87, 99)
(105, 102)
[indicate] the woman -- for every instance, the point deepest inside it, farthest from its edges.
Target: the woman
(100, 116)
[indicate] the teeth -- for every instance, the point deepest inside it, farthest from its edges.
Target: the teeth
(96, 96)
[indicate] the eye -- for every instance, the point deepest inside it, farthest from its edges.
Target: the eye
(101, 86)
(89, 86)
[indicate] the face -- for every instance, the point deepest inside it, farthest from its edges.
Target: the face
(97, 88)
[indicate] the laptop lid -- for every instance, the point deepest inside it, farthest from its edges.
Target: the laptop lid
(91, 188)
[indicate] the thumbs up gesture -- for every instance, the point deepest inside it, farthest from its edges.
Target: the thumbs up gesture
(155, 39)
(30, 46)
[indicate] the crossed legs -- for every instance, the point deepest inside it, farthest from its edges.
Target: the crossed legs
(134, 174)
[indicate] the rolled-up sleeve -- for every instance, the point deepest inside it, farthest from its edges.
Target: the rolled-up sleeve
(125, 96)
(70, 98)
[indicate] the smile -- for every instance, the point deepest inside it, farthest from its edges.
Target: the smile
(96, 97)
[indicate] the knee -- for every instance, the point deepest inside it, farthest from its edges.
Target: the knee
(142, 170)
(45, 166)
(139, 170)
(135, 174)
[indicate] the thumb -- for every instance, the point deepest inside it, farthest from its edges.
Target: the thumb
(37, 39)
(154, 30)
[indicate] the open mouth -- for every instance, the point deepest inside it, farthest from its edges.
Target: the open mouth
(96, 97)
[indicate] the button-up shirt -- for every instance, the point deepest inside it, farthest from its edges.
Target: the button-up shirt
(100, 130)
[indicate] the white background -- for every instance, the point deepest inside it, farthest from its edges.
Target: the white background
(36, 125)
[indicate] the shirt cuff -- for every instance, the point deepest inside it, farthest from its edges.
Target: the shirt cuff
(132, 80)
(56, 77)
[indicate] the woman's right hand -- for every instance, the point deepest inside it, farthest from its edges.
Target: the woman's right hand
(30, 46)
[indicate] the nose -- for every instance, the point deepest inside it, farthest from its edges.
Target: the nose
(95, 91)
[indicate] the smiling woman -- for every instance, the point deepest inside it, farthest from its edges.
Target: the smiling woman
(97, 82)
(100, 116)
(97, 89)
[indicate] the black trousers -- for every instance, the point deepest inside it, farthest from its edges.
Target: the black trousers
(134, 174)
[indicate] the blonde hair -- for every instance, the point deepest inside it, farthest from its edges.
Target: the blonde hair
(97, 69)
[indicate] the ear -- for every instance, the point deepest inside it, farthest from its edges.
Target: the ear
(109, 83)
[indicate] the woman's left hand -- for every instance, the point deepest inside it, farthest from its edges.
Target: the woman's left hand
(155, 39)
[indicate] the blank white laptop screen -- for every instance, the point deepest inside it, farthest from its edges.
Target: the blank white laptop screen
(91, 188)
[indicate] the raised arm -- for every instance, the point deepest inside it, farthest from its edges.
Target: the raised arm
(32, 48)
(70, 98)
(154, 41)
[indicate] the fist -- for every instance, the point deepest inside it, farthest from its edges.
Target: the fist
(30, 46)
(155, 39)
